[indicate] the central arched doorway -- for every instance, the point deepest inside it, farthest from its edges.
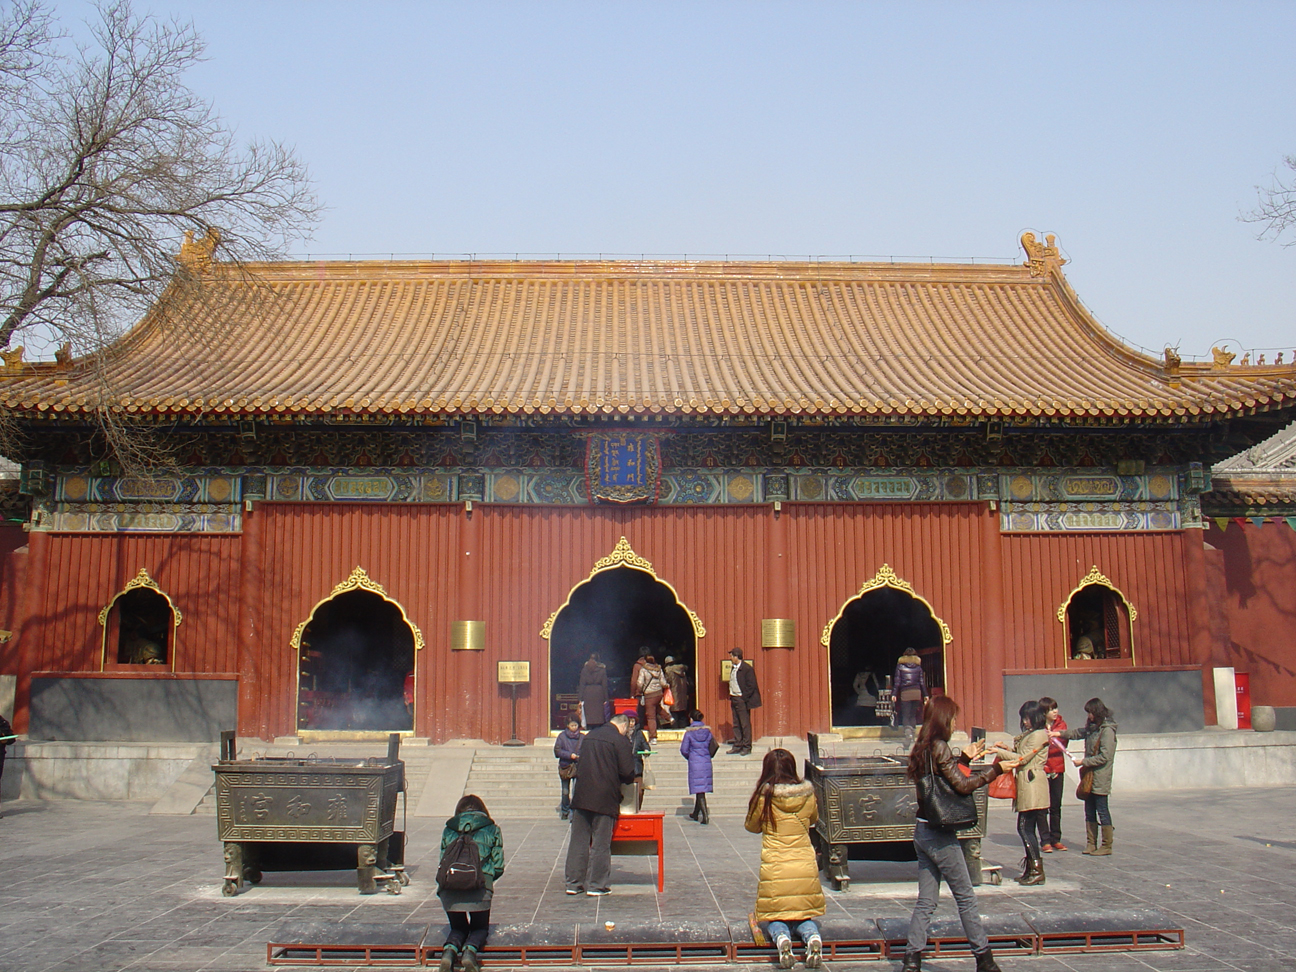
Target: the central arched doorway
(868, 636)
(356, 662)
(620, 609)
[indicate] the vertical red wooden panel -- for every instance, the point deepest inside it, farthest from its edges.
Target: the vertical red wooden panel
(715, 558)
(1042, 570)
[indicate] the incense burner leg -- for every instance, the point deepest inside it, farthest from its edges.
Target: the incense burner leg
(972, 854)
(366, 868)
(839, 866)
(233, 868)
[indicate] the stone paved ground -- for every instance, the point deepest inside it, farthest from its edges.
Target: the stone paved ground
(106, 887)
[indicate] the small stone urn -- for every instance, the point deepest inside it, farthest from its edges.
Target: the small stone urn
(1262, 718)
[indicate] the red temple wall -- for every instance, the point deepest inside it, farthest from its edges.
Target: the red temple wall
(512, 567)
(1041, 571)
(1251, 579)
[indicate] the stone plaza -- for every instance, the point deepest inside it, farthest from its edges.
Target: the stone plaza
(107, 886)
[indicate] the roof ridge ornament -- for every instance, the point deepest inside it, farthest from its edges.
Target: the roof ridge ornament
(196, 255)
(1042, 257)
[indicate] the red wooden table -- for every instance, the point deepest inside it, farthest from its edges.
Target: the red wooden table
(641, 833)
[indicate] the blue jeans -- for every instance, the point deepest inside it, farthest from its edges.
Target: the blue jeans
(565, 806)
(940, 855)
(1096, 809)
(806, 930)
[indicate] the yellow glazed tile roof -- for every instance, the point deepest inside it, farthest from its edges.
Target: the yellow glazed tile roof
(646, 337)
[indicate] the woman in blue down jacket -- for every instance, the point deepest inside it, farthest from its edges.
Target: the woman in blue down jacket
(698, 746)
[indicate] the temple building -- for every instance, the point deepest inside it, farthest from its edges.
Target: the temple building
(402, 492)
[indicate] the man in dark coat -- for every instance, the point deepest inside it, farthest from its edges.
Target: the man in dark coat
(744, 695)
(606, 762)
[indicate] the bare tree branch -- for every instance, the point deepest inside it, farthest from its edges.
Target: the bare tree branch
(107, 162)
(1277, 206)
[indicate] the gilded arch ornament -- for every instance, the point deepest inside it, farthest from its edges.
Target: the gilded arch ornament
(885, 577)
(358, 581)
(141, 579)
(623, 556)
(1094, 577)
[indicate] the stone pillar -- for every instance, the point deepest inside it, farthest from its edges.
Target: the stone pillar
(993, 634)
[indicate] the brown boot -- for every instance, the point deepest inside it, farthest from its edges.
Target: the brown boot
(1091, 837)
(1034, 873)
(1108, 834)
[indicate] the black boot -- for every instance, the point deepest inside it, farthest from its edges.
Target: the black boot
(704, 816)
(697, 806)
(470, 963)
(986, 962)
(447, 959)
(912, 962)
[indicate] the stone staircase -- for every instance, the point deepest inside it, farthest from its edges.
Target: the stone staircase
(522, 782)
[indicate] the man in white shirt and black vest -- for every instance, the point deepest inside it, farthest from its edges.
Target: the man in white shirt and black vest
(744, 695)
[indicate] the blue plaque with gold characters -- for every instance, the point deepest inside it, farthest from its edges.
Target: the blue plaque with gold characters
(623, 467)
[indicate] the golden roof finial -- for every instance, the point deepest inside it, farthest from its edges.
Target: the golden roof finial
(1041, 257)
(196, 254)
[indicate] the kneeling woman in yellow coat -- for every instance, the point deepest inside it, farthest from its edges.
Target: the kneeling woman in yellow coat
(782, 810)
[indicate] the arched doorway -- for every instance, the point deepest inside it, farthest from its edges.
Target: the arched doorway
(356, 662)
(139, 626)
(869, 634)
(1098, 621)
(621, 608)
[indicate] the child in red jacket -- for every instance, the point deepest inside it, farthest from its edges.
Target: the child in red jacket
(1051, 838)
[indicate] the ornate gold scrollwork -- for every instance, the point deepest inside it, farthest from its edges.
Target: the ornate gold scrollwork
(141, 579)
(358, 581)
(623, 556)
(1095, 576)
(886, 577)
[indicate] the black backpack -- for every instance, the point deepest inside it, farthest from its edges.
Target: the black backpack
(460, 868)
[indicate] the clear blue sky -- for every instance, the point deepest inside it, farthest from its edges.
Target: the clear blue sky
(1135, 132)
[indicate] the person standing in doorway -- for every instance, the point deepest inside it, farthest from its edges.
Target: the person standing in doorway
(593, 692)
(633, 688)
(567, 749)
(698, 746)
(1055, 770)
(744, 695)
(677, 679)
(652, 686)
(909, 688)
(606, 763)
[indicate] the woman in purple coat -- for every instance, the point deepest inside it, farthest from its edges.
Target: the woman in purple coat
(698, 746)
